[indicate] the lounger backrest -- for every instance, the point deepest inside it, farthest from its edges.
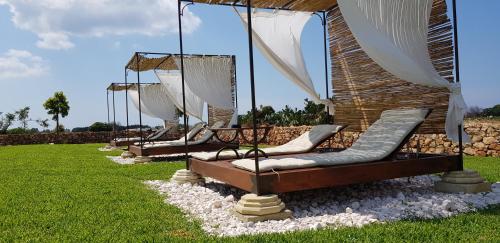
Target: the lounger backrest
(386, 135)
(208, 133)
(315, 136)
(159, 133)
(195, 130)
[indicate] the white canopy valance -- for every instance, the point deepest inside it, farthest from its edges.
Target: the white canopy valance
(172, 81)
(210, 78)
(394, 34)
(154, 102)
(277, 35)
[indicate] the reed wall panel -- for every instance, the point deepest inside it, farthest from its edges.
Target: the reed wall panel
(362, 89)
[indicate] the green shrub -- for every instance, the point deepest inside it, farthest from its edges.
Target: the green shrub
(100, 127)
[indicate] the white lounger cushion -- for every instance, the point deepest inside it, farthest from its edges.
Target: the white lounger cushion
(301, 144)
(381, 139)
(203, 139)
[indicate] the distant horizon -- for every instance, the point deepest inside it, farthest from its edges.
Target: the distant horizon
(80, 51)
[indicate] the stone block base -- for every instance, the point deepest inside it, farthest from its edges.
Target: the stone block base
(285, 214)
(253, 208)
(186, 176)
(142, 159)
(127, 155)
(466, 181)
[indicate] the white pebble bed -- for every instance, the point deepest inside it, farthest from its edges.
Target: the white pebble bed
(352, 206)
(107, 149)
(156, 158)
(120, 160)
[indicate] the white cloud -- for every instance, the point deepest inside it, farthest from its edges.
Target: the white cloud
(54, 41)
(16, 64)
(55, 21)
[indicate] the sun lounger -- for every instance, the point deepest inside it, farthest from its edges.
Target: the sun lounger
(155, 136)
(203, 143)
(379, 141)
(197, 128)
(306, 142)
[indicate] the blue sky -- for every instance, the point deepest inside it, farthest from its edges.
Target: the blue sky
(81, 49)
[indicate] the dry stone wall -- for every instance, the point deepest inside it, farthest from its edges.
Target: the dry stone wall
(66, 137)
(485, 138)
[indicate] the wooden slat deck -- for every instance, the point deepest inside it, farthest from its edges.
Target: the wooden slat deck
(322, 177)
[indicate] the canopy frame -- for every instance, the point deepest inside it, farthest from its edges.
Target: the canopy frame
(248, 5)
(165, 61)
(113, 87)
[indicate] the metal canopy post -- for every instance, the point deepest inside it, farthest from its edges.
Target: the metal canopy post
(107, 103)
(114, 114)
(252, 88)
(325, 52)
(126, 103)
(139, 96)
(181, 49)
(457, 80)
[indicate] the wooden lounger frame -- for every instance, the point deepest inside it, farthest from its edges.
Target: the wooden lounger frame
(160, 150)
(322, 177)
(122, 143)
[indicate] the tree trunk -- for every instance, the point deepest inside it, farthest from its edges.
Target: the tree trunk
(57, 124)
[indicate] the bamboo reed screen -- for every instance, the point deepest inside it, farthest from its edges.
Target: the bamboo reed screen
(362, 89)
(216, 114)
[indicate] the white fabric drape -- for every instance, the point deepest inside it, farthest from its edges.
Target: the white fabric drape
(154, 102)
(210, 79)
(172, 81)
(394, 34)
(277, 35)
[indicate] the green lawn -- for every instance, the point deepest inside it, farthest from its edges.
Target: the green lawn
(73, 193)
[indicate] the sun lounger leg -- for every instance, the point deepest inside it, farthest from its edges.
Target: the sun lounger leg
(253, 208)
(466, 181)
(142, 159)
(186, 176)
(127, 154)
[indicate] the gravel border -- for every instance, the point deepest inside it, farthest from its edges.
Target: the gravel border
(352, 206)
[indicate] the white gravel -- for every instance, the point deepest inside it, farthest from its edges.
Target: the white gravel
(156, 158)
(107, 149)
(352, 206)
(120, 160)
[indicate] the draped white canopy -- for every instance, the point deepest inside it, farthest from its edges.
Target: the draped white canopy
(210, 78)
(394, 34)
(154, 102)
(172, 81)
(277, 35)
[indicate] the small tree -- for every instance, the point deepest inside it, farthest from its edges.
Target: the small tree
(57, 105)
(23, 116)
(44, 123)
(6, 121)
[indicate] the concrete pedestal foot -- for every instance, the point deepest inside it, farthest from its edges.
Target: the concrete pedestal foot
(186, 176)
(109, 147)
(253, 208)
(142, 159)
(127, 155)
(466, 181)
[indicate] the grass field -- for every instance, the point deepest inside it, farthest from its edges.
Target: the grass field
(73, 193)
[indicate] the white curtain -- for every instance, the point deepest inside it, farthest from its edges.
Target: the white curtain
(154, 102)
(172, 81)
(394, 34)
(277, 35)
(210, 78)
